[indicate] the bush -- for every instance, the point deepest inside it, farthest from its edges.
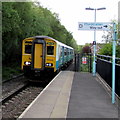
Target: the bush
(107, 50)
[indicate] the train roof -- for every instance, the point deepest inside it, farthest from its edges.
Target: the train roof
(47, 37)
(62, 44)
(43, 37)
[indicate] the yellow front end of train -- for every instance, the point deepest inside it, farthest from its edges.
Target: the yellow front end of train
(50, 54)
(26, 53)
(38, 54)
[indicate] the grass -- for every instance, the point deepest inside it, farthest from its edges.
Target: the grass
(84, 68)
(10, 71)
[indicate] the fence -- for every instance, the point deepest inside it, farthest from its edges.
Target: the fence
(83, 62)
(104, 69)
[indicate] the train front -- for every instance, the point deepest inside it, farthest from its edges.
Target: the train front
(38, 55)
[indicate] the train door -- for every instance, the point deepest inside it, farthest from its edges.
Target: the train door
(38, 54)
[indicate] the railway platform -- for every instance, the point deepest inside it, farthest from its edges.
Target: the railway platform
(72, 95)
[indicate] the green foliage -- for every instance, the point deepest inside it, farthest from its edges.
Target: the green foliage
(84, 68)
(107, 50)
(86, 49)
(118, 51)
(79, 48)
(9, 72)
(25, 19)
(10, 30)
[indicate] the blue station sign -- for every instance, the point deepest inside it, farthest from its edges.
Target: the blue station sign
(95, 26)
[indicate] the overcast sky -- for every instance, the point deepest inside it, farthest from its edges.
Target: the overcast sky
(73, 11)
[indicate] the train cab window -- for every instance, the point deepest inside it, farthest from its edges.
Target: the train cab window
(65, 53)
(50, 50)
(28, 49)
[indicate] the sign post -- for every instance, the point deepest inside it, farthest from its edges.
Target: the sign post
(93, 26)
(113, 62)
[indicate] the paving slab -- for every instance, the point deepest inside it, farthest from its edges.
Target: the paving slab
(53, 101)
(72, 95)
(89, 99)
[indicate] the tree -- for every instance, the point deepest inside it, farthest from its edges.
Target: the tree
(10, 21)
(25, 19)
(108, 35)
(107, 50)
(118, 51)
(79, 48)
(86, 49)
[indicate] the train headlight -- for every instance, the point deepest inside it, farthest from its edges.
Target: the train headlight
(27, 63)
(49, 64)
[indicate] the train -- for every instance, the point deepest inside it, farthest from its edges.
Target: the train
(44, 54)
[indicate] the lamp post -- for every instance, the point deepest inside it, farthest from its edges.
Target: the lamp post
(94, 42)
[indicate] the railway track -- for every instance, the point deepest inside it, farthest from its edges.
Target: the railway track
(13, 93)
(16, 104)
(11, 86)
(18, 94)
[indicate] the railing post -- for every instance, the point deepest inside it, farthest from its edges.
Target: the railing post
(113, 63)
(90, 63)
(78, 67)
(75, 63)
(80, 62)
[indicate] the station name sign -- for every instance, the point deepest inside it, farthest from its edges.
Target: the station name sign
(95, 26)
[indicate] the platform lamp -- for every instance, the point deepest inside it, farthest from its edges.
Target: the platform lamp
(94, 42)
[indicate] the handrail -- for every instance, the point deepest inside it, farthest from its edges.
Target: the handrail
(108, 58)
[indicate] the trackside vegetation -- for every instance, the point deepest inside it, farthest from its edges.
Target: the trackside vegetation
(107, 50)
(25, 19)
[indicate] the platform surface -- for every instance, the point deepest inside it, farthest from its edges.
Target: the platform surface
(53, 101)
(89, 99)
(72, 95)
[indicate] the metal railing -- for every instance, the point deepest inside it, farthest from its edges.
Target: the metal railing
(80, 66)
(108, 58)
(104, 69)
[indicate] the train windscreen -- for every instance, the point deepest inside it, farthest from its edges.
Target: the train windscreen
(28, 49)
(50, 50)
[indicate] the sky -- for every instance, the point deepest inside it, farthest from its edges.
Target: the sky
(73, 11)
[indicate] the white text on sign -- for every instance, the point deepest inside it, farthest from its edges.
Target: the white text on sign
(95, 26)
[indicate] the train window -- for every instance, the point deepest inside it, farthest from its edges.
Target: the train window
(65, 51)
(29, 42)
(61, 51)
(68, 52)
(50, 50)
(28, 49)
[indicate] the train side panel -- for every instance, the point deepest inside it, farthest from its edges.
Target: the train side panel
(57, 56)
(50, 62)
(26, 53)
(63, 55)
(43, 53)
